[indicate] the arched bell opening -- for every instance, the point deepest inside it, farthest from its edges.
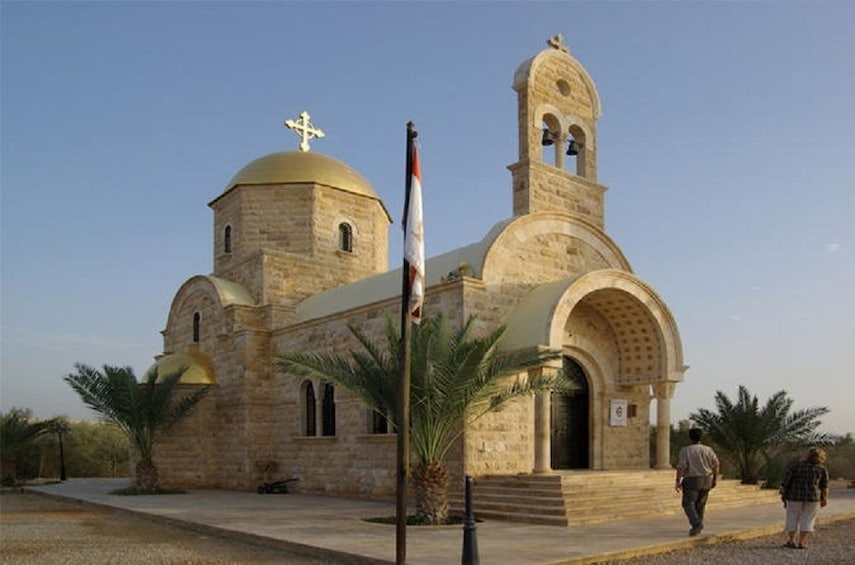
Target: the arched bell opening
(576, 151)
(550, 142)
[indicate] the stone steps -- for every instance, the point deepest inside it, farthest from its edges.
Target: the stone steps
(593, 497)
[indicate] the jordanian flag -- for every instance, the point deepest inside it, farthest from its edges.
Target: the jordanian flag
(414, 244)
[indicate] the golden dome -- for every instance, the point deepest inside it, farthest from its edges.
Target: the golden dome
(289, 167)
(199, 370)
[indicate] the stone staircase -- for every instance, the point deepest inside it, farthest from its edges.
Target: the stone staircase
(564, 498)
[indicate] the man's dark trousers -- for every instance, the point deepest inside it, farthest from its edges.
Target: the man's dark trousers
(696, 490)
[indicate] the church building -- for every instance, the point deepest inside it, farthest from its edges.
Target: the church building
(300, 251)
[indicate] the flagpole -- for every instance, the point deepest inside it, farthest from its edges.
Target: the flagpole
(403, 453)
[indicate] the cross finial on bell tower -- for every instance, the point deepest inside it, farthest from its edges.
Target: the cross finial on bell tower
(304, 128)
(557, 42)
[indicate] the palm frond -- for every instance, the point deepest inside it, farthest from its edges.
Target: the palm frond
(17, 429)
(140, 409)
(455, 376)
(748, 434)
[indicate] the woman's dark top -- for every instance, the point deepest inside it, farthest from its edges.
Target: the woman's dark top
(804, 481)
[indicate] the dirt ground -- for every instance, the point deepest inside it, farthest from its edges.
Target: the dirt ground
(831, 544)
(41, 530)
(36, 529)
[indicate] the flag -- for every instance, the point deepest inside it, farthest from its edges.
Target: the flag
(414, 244)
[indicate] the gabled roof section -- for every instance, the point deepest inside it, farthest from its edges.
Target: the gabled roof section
(388, 285)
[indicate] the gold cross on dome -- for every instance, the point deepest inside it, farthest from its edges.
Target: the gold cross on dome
(304, 128)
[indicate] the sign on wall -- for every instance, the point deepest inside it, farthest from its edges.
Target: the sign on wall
(618, 413)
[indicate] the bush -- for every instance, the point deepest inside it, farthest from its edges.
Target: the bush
(841, 458)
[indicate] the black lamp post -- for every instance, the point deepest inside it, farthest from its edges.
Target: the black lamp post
(470, 542)
(59, 427)
(62, 475)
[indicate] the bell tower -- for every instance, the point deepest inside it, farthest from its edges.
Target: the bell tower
(557, 108)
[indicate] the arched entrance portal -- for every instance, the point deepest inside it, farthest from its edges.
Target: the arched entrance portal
(570, 421)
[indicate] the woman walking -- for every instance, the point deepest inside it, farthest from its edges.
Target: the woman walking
(804, 491)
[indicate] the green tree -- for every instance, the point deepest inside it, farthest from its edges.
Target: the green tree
(142, 410)
(456, 378)
(750, 436)
(17, 431)
(92, 449)
(98, 449)
(841, 458)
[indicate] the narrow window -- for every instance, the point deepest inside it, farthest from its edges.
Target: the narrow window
(227, 239)
(197, 318)
(329, 411)
(379, 423)
(310, 409)
(345, 237)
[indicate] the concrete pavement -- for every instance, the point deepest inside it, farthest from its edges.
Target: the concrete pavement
(335, 530)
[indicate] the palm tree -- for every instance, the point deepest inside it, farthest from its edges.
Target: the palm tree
(141, 410)
(749, 436)
(456, 378)
(16, 431)
(60, 427)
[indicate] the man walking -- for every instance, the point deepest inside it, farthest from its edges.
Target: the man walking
(697, 469)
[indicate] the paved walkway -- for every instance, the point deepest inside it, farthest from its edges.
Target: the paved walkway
(334, 529)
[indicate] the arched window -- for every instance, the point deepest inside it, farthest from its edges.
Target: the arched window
(309, 401)
(227, 239)
(329, 411)
(379, 423)
(345, 237)
(197, 319)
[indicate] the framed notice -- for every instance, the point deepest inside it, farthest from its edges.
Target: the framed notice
(617, 413)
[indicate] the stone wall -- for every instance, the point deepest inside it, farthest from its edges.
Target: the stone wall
(285, 239)
(538, 187)
(502, 442)
(188, 454)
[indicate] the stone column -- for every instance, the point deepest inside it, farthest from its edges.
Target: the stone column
(542, 424)
(542, 433)
(664, 392)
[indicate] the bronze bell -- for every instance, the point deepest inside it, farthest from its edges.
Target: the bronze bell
(574, 147)
(548, 137)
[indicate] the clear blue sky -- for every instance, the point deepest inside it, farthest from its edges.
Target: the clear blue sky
(726, 143)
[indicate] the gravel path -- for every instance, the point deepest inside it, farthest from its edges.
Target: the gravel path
(40, 530)
(831, 544)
